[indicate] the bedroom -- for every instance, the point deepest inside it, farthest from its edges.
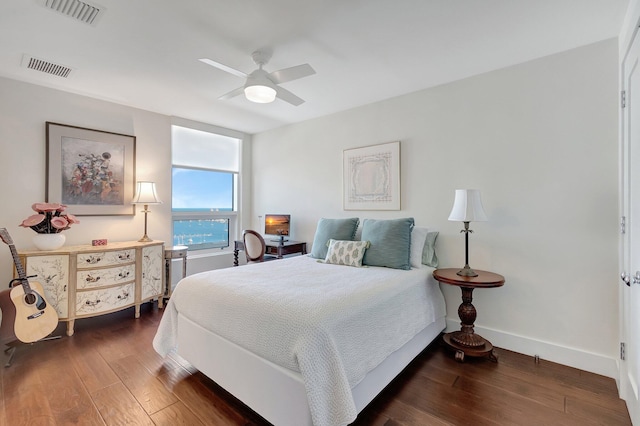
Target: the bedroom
(539, 138)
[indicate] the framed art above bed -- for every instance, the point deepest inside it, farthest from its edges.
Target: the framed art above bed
(371, 177)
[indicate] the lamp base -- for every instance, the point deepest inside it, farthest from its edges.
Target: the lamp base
(145, 238)
(467, 272)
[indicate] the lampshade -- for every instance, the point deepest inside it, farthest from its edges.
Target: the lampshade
(260, 93)
(467, 207)
(146, 194)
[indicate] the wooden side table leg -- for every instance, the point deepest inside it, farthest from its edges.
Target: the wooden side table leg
(467, 314)
(493, 356)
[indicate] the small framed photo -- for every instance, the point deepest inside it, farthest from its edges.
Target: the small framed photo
(91, 171)
(371, 177)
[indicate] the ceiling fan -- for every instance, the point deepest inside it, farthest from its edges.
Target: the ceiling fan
(261, 86)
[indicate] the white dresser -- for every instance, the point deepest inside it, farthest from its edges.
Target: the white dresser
(85, 281)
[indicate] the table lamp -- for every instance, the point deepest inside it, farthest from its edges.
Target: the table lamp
(145, 194)
(467, 207)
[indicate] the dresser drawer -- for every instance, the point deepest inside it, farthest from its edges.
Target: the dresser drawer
(106, 258)
(103, 277)
(104, 300)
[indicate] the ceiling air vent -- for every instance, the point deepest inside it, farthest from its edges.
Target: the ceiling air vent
(45, 66)
(78, 10)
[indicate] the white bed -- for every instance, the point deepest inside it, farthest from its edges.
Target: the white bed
(299, 341)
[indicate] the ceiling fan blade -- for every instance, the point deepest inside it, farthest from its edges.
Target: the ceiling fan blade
(232, 94)
(293, 73)
(223, 67)
(287, 96)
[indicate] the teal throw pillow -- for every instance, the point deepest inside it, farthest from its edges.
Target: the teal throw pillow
(337, 229)
(390, 242)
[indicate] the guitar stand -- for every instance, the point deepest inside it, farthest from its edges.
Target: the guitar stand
(12, 346)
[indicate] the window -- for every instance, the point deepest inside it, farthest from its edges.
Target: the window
(205, 177)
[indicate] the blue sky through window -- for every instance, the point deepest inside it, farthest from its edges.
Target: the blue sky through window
(201, 189)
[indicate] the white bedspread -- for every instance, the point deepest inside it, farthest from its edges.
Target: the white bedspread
(331, 323)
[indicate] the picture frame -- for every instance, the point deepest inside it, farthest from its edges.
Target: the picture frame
(90, 171)
(371, 177)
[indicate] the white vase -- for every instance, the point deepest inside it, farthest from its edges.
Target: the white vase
(49, 241)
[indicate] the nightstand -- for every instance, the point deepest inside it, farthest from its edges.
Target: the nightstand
(465, 341)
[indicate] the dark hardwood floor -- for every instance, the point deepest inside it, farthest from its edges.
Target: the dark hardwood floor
(108, 374)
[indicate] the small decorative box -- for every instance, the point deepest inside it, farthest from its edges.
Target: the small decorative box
(102, 242)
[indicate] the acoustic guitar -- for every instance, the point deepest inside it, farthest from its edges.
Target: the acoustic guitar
(32, 317)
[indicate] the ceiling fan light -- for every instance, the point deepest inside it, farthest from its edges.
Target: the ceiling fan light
(260, 94)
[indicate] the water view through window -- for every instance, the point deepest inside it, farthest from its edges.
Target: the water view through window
(201, 233)
(200, 199)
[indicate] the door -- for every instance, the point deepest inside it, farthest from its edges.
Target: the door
(630, 250)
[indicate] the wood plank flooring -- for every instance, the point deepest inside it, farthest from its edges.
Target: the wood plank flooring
(108, 374)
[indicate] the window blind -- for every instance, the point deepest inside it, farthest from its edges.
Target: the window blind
(204, 150)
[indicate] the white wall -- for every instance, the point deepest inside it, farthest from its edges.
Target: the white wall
(24, 109)
(540, 141)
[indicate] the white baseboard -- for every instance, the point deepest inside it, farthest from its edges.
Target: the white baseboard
(572, 357)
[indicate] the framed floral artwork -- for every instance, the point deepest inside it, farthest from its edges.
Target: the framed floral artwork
(91, 170)
(371, 177)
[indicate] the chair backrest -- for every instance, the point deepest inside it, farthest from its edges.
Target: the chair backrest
(254, 246)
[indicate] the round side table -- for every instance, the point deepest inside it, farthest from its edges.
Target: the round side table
(465, 341)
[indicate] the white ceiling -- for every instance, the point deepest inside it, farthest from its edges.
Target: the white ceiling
(144, 53)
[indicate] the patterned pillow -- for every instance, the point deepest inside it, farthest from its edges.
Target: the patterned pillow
(349, 253)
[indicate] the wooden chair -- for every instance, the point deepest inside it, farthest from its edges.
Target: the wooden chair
(254, 246)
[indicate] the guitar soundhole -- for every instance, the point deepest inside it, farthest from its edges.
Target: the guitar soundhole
(29, 298)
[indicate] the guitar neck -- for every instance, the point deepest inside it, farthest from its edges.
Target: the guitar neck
(22, 276)
(20, 269)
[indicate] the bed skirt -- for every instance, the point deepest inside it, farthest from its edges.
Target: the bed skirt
(277, 393)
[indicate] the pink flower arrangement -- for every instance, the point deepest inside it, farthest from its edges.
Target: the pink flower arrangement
(50, 218)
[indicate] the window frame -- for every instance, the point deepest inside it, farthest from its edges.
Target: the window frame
(233, 215)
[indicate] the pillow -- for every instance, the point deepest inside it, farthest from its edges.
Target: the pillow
(349, 253)
(390, 242)
(418, 239)
(429, 257)
(338, 229)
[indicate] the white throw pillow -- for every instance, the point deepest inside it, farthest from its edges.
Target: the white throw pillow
(418, 238)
